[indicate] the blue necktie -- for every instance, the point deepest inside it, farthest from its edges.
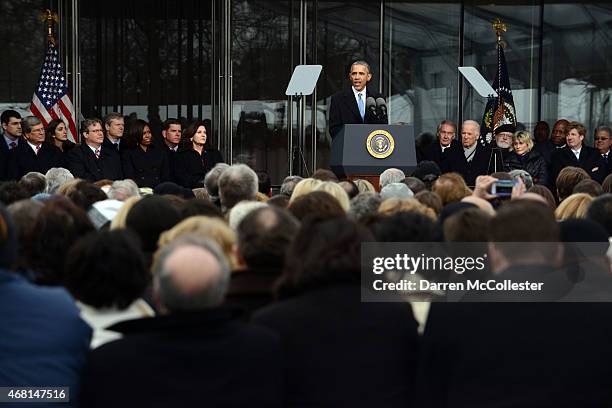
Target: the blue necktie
(361, 106)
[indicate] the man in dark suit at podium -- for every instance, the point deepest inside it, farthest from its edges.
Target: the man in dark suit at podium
(350, 106)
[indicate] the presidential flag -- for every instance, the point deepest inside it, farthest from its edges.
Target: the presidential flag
(500, 110)
(51, 99)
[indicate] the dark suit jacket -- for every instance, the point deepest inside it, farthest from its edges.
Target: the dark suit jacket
(590, 160)
(190, 168)
(433, 152)
(22, 159)
(454, 160)
(517, 354)
(110, 145)
(329, 337)
(82, 163)
(343, 110)
(181, 360)
(147, 169)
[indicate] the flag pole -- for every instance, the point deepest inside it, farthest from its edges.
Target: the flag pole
(51, 18)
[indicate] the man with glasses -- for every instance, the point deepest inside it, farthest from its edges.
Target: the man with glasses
(603, 141)
(91, 160)
(32, 154)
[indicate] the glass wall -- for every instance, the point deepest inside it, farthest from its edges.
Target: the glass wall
(577, 64)
(149, 62)
(261, 68)
(24, 41)
(521, 52)
(421, 55)
(230, 60)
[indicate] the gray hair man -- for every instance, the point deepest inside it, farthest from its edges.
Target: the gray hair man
(191, 273)
(470, 159)
(121, 190)
(57, 177)
(114, 126)
(237, 183)
(391, 175)
(289, 184)
(211, 182)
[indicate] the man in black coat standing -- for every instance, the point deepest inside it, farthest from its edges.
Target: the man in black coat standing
(577, 154)
(470, 159)
(194, 351)
(33, 154)
(92, 161)
(350, 106)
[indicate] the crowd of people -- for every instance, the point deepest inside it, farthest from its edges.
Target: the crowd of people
(139, 279)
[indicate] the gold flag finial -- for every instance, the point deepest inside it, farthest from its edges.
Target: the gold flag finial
(499, 27)
(50, 18)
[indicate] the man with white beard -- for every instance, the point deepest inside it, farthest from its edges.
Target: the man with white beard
(502, 148)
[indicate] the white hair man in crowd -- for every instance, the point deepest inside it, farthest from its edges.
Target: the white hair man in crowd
(391, 175)
(237, 183)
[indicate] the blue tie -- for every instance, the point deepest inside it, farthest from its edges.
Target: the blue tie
(361, 106)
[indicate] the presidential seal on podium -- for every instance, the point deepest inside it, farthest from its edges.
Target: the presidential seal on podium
(380, 144)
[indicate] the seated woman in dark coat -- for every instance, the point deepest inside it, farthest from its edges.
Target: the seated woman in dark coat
(57, 134)
(141, 160)
(524, 158)
(339, 351)
(195, 158)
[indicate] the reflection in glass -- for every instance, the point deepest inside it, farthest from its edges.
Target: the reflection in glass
(521, 53)
(577, 61)
(421, 58)
(261, 68)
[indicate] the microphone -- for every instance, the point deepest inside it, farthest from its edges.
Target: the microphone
(381, 107)
(371, 107)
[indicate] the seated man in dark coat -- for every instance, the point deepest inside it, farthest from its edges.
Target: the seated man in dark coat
(519, 354)
(349, 106)
(577, 154)
(446, 138)
(469, 159)
(33, 153)
(194, 351)
(92, 161)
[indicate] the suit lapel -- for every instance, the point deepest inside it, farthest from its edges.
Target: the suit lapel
(351, 102)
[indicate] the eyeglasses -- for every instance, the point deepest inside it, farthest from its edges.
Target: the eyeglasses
(602, 139)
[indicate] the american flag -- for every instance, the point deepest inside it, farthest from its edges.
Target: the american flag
(51, 99)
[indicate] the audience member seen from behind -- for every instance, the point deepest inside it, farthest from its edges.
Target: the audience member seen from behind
(321, 299)
(195, 347)
(457, 365)
(237, 183)
(42, 338)
(316, 204)
(106, 274)
(574, 206)
(58, 225)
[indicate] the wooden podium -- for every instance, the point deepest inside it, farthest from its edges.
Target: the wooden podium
(365, 151)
